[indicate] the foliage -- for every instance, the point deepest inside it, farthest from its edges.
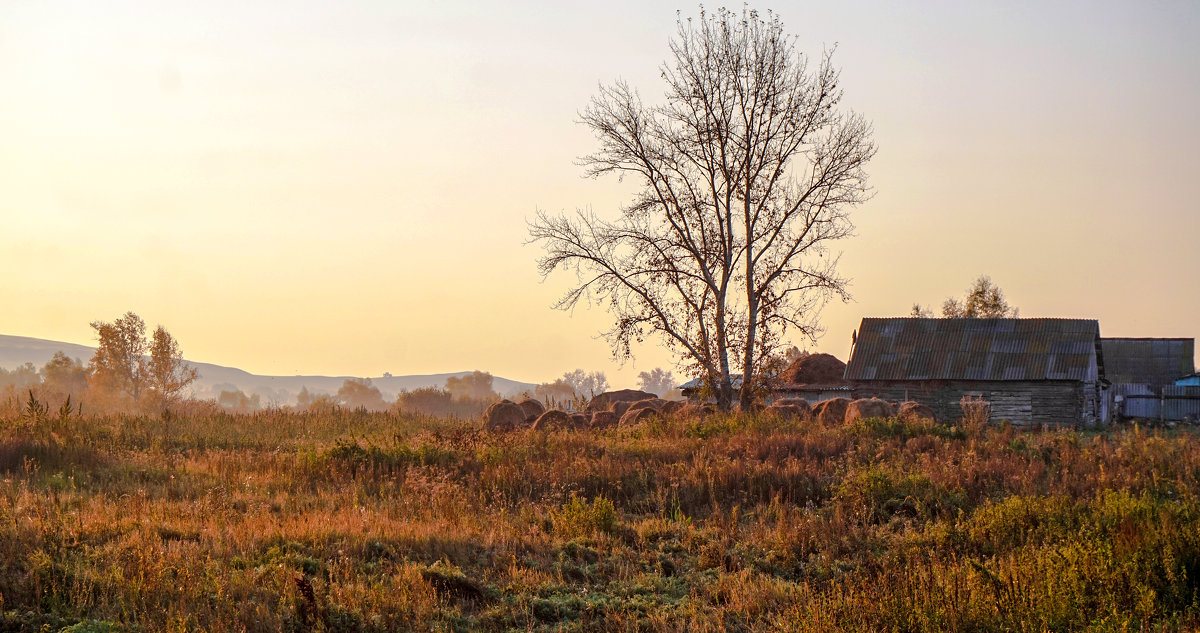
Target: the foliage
(586, 384)
(167, 375)
(360, 393)
(984, 300)
(361, 521)
(657, 381)
(474, 386)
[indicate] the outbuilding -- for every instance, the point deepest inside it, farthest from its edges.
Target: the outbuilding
(1047, 372)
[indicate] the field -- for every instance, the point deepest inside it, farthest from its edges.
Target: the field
(350, 521)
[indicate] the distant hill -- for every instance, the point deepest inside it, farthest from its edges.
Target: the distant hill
(18, 350)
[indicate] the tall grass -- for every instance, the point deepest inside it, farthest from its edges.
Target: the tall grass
(376, 522)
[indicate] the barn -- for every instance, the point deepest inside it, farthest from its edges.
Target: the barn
(1147, 374)
(1047, 372)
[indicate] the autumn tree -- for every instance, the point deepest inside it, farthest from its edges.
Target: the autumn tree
(129, 366)
(476, 385)
(167, 374)
(657, 381)
(746, 175)
(64, 376)
(119, 364)
(236, 401)
(360, 393)
(984, 300)
(586, 384)
(557, 391)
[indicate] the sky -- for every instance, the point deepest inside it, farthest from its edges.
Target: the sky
(343, 188)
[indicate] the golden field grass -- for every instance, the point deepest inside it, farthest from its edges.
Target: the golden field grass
(349, 521)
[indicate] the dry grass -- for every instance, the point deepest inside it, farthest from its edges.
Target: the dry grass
(374, 522)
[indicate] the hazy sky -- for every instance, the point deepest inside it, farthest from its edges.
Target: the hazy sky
(342, 188)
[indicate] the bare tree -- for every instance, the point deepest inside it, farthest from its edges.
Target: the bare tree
(747, 173)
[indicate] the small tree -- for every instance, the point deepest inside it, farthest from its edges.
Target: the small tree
(119, 365)
(168, 374)
(586, 384)
(359, 392)
(476, 385)
(984, 300)
(64, 376)
(657, 381)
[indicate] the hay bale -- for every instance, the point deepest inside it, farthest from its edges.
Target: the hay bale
(867, 408)
(799, 403)
(635, 417)
(604, 401)
(655, 404)
(786, 411)
(672, 406)
(553, 420)
(580, 420)
(532, 409)
(620, 408)
(814, 369)
(755, 407)
(831, 412)
(505, 415)
(604, 420)
(912, 411)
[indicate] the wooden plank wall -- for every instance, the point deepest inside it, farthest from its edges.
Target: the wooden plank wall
(1022, 404)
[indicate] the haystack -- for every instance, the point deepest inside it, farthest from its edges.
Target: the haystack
(505, 415)
(604, 401)
(532, 409)
(604, 419)
(831, 412)
(814, 369)
(912, 411)
(867, 408)
(552, 420)
(635, 417)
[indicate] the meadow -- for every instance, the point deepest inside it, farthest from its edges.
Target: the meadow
(356, 521)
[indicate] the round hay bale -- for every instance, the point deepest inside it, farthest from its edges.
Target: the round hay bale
(867, 408)
(671, 406)
(895, 407)
(604, 401)
(912, 411)
(553, 420)
(831, 412)
(786, 411)
(532, 409)
(814, 369)
(620, 407)
(655, 404)
(505, 415)
(799, 403)
(604, 420)
(755, 407)
(635, 417)
(580, 420)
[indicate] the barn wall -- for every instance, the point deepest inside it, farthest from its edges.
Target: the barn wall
(1023, 404)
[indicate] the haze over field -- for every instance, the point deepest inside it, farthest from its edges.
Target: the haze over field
(334, 189)
(213, 379)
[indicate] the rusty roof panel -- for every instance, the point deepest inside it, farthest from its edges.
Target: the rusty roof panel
(975, 349)
(1148, 361)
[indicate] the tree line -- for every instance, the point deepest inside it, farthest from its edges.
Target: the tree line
(129, 372)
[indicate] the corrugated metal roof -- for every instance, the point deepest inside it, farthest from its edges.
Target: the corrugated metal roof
(975, 349)
(1148, 361)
